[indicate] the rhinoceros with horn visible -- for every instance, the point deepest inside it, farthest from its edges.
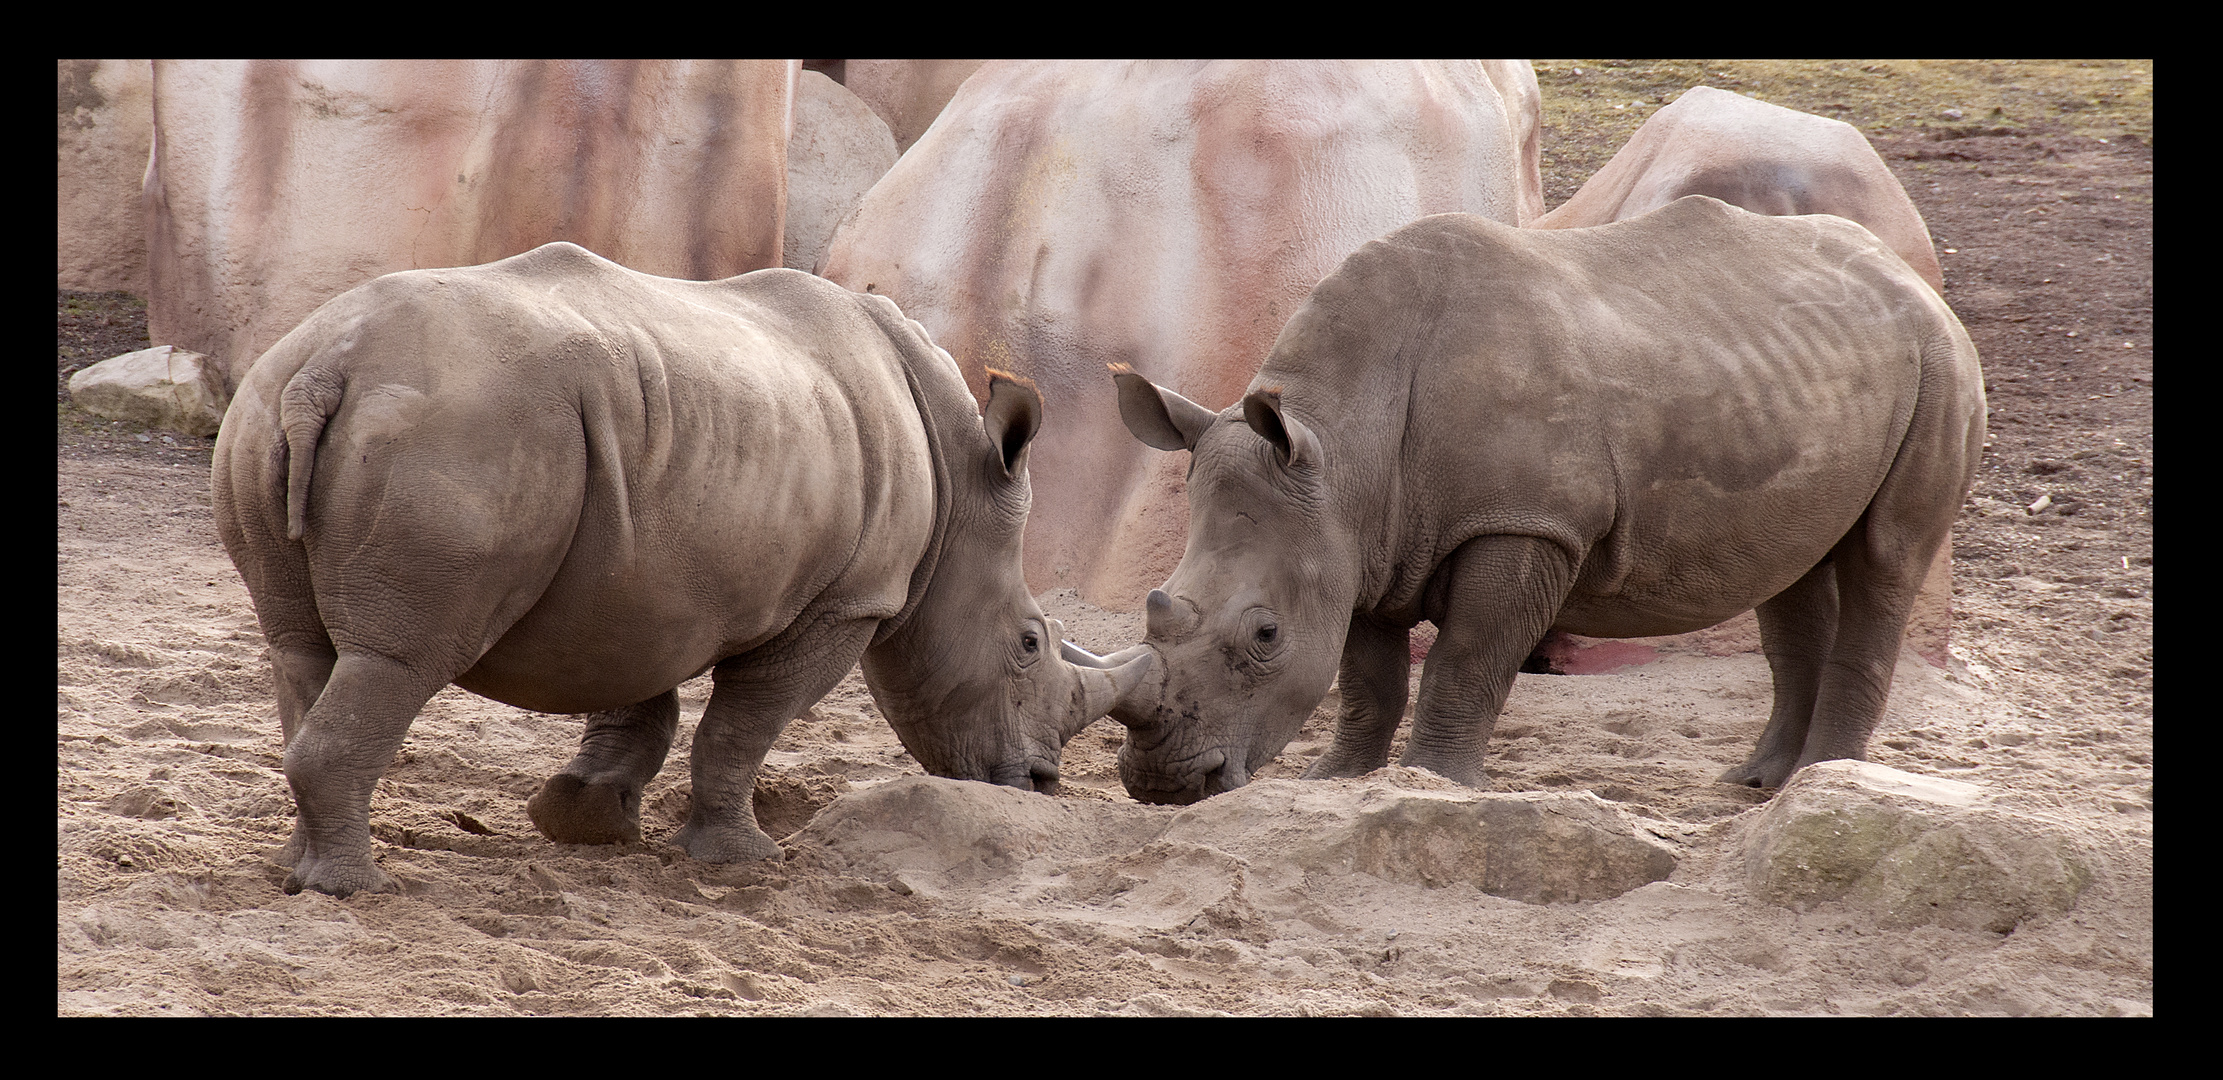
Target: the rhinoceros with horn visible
(568, 486)
(1635, 429)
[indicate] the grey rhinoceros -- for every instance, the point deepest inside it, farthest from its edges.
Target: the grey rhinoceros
(568, 486)
(1634, 429)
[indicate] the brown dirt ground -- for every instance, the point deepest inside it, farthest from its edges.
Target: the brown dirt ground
(169, 795)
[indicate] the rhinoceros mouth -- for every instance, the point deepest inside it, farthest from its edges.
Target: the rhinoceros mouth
(1031, 765)
(1037, 774)
(1166, 797)
(1212, 773)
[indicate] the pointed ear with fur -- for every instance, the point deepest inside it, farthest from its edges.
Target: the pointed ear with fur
(1293, 442)
(1158, 416)
(1013, 418)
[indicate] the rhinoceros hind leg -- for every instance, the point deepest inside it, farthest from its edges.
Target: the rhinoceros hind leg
(753, 697)
(302, 669)
(596, 799)
(1377, 662)
(334, 760)
(1491, 602)
(1876, 586)
(1797, 628)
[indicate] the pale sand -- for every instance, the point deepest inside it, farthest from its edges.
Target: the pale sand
(169, 799)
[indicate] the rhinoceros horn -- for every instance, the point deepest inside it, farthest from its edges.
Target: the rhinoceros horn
(1108, 682)
(1167, 620)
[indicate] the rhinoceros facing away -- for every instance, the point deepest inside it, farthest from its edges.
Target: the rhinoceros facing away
(1635, 429)
(1761, 157)
(569, 486)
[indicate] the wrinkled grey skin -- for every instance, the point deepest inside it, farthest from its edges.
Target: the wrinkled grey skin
(570, 487)
(1636, 429)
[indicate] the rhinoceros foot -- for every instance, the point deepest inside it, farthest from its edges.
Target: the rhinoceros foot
(572, 809)
(1465, 768)
(1338, 764)
(1768, 771)
(339, 876)
(289, 855)
(726, 843)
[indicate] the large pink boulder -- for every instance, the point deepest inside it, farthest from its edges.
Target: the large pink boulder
(103, 125)
(838, 149)
(277, 185)
(1059, 217)
(908, 94)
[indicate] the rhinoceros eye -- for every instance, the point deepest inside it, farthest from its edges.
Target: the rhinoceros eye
(1265, 635)
(1030, 642)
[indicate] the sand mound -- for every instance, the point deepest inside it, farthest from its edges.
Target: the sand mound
(940, 838)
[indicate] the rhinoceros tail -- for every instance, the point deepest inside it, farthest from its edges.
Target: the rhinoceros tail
(308, 402)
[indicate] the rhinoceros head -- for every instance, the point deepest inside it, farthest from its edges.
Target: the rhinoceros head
(1249, 628)
(977, 682)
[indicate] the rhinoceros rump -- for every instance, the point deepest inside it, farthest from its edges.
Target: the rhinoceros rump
(1761, 157)
(569, 486)
(1635, 429)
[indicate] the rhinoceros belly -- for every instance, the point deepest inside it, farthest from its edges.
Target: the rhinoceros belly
(1689, 554)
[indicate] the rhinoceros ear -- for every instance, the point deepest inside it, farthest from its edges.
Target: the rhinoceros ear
(1158, 416)
(1013, 416)
(1293, 442)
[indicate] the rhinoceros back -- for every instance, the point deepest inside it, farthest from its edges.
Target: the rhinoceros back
(693, 464)
(1651, 395)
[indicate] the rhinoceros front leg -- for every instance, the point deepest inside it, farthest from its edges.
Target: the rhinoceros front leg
(333, 760)
(1498, 596)
(596, 799)
(1377, 662)
(753, 696)
(1797, 628)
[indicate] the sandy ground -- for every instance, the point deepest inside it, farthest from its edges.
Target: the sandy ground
(169, 796)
